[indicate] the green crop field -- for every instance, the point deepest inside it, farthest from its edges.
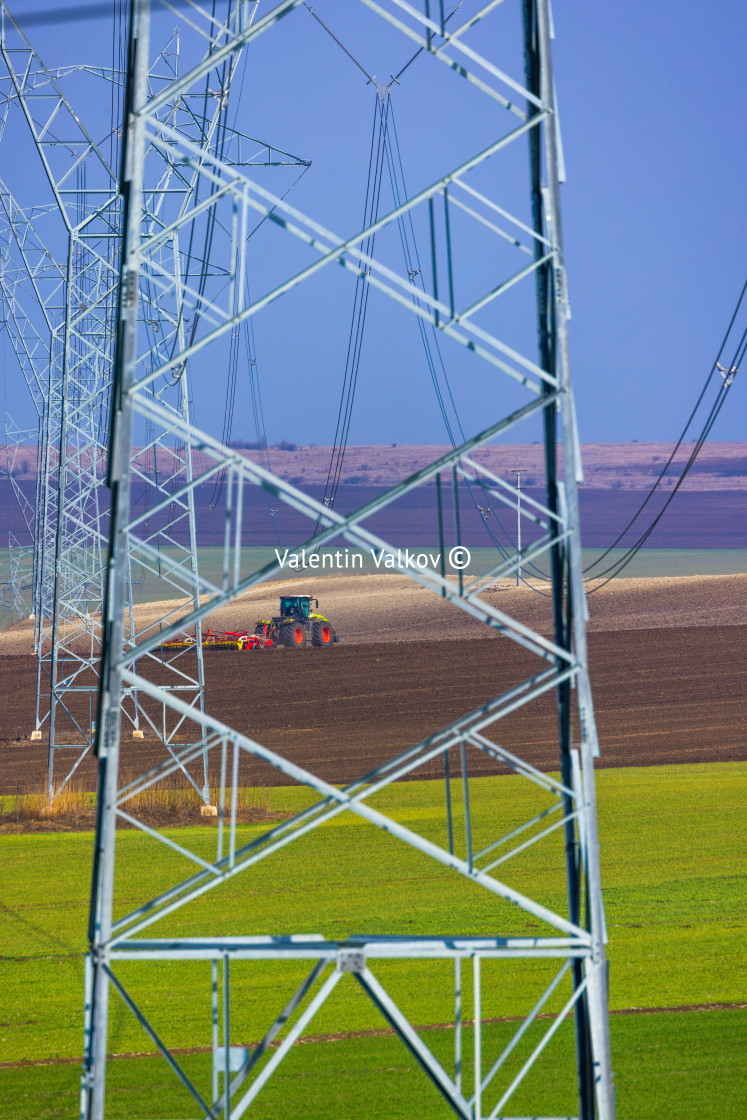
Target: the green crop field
(673, 865)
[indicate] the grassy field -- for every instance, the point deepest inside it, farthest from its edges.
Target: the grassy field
(672, 860)
(667, 1067)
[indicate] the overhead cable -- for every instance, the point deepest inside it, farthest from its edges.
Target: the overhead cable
(360, 305)
(682, 435)
(723, 391)
(342, 47)
(431, 345)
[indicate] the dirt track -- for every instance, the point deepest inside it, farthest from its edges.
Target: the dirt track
(662, 696)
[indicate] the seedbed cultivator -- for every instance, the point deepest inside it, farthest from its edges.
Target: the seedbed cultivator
(221, 639)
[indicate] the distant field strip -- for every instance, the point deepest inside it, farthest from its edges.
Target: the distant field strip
(648, 563)
(149, 587)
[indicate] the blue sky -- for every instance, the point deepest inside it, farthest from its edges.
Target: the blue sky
(650, 105)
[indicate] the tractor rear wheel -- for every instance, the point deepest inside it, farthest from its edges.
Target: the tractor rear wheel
(322, 635)
(292, 635)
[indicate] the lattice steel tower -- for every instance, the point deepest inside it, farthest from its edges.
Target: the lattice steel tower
(60, 304)
(178, 919)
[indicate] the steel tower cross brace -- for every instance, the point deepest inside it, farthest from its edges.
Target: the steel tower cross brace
(123, 933)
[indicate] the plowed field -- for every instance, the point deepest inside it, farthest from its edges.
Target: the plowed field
(662, 696)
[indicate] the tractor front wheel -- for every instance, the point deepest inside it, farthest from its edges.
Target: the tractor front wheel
(323, 634)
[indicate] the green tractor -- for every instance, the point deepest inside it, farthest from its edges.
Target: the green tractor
(296, 624)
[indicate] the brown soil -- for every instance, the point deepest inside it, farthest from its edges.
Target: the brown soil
(13, 823)
(662, 696)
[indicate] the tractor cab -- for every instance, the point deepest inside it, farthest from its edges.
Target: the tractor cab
(296, 606)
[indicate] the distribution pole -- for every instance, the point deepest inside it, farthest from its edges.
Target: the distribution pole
(518, 524)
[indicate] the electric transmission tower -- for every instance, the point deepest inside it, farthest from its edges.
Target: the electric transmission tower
(32, 352)
(16, 579)
(127, 938)
(31, 280)
(60, 319)
(75, 294)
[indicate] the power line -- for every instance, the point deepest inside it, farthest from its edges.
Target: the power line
(412, 259)
(340, 45)
(420, 50)
(376, 163)
(431, 343)
(724, 389)
(682, 435)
